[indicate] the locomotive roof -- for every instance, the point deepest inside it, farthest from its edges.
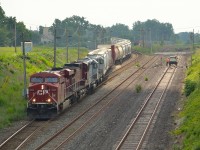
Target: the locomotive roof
(87, 60)
(125, 42)
(47, 73)
(99, 51)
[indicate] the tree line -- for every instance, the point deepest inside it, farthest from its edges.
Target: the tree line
(11, 31)
(77, 31)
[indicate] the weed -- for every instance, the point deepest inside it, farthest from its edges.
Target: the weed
(138, 88)
(137, 64)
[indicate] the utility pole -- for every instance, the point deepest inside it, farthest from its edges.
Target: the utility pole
(67, 45)
(24, 64)
(95, 46)
(150, 39)
(54, 47)
(15, 38)
(193, 41)
(78, 44)
(142, 36)
(192, 38)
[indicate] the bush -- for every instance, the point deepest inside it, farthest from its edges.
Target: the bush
(189, 87)
(138, 88)
(137, 65)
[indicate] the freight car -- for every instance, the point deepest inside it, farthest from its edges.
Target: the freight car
(121, 51)
(51, 92)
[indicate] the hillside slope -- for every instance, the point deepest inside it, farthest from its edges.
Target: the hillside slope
(12, 103)
(188, 133)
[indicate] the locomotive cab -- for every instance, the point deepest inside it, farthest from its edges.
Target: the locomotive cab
(45, 94)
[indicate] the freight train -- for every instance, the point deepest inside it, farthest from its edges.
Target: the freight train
(50, 92)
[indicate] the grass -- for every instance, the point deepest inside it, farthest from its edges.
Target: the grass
(12, 103)
(148, 50)
(189, 130)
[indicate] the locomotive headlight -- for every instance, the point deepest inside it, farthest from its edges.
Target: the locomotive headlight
(49, 100)
(34, 100)
(42, 87)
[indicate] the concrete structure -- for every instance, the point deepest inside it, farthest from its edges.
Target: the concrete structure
(47, 36)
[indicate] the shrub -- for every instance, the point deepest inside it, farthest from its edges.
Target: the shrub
(137, 65)
(189, 87)
(138, 88)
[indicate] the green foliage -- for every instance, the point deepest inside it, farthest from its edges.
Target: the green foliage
(137, 64)
(146, 79)
(12, 104)
(192, 80)
(189, 130)
(153, 26)
(189, 87)
(138, 88)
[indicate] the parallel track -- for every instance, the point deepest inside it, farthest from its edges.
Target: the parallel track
(19, 138)
(71, 129)
(135, 135)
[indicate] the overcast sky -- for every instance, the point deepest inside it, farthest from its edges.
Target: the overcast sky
(184, 15)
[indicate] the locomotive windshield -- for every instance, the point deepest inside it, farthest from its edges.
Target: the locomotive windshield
(51, 80)
(37, 80)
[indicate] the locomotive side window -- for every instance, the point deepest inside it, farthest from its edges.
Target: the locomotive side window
(101, 61)
(94, 66)
(51, 80)
(37, 80)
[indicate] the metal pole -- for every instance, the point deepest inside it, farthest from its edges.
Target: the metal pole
(192, 45)
(67, 45)
(54, 47)
(193, 40)
(142, 37)
(24, 64)
(15, 38)
(150, 39)
(78, 45)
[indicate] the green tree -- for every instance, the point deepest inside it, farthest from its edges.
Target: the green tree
(159, 31)
(120, 30)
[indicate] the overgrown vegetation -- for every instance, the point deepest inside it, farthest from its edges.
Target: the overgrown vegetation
(189, 131)
(12, 103)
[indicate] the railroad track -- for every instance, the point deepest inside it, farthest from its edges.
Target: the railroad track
(25, 133)
(19, 138)
(138, 128)
(85, 118)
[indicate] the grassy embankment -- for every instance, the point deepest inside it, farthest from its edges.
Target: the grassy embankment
(189, 130)
(12, 103)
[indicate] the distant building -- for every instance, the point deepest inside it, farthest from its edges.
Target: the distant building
(47, 36)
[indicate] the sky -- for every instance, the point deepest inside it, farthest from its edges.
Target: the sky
(184, 15)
